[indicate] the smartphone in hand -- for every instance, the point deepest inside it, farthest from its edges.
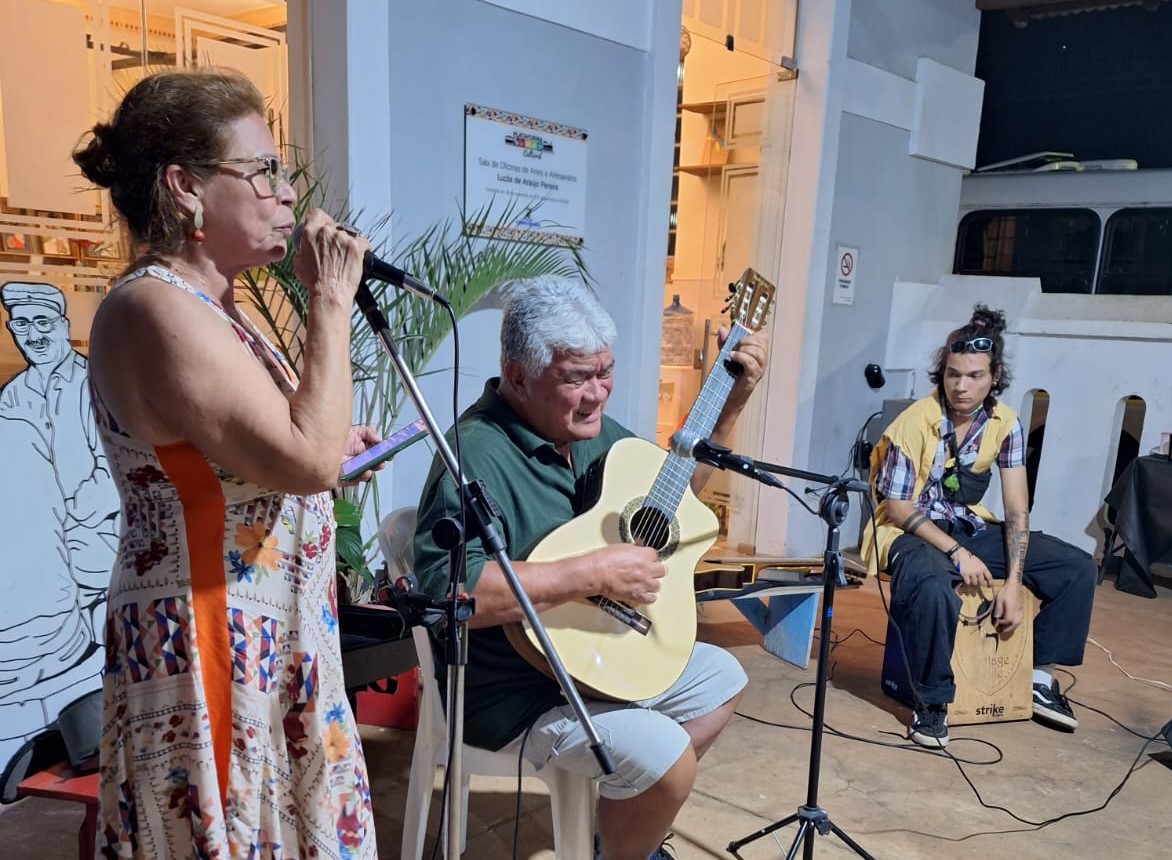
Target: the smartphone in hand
(382, 451)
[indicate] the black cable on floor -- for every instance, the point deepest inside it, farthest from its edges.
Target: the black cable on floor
(517, 808)
(959, 762)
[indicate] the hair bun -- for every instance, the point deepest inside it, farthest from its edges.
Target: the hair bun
(987, 320)
(96, 157)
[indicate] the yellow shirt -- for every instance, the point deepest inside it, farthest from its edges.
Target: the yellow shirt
(916, 432)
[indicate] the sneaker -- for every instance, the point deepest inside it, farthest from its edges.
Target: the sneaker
(929, 727)
(662, 852)
(1051, 707)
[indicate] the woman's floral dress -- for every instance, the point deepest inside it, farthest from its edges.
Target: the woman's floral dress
(226, 730)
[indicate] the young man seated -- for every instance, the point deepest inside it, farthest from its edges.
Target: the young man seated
(929, 473)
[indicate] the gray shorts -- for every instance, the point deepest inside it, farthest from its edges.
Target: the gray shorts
(644, 738)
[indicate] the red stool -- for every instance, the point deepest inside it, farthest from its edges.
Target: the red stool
(59, 782)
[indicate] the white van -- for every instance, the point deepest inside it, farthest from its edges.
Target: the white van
(1106, 232)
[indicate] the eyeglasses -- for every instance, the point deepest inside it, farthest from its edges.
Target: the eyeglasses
(977, 344)
(274, 171)
(42, 324)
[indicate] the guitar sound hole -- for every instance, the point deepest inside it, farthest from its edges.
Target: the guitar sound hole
(649, 527)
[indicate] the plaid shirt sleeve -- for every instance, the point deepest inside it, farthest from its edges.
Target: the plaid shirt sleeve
(897, 476)
(1012, 454)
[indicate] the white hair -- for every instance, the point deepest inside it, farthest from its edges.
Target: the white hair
(547, 315)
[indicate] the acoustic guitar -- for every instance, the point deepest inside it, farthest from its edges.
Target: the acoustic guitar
(641, 495)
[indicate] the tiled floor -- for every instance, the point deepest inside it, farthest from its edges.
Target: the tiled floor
(896, 801)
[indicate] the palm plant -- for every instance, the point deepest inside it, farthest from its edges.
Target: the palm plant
(446, 255)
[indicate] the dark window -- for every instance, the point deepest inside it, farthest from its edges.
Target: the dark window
(1057, 245)
(1137, 253)
(1035, 437)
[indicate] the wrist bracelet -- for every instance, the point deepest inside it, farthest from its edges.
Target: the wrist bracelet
(955, 547)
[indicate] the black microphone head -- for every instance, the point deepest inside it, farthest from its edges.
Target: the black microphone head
(874, 376)
(295, 242)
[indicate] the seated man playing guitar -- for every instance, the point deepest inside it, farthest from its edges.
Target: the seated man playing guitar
(531, 438)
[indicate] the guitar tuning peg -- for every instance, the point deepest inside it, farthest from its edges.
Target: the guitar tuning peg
(732, 288)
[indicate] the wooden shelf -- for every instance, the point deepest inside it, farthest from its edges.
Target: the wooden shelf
(700, 169)
(704, 107)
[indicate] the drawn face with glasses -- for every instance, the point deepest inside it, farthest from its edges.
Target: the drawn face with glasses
(268, 166)
(43, 338)
(976, 344)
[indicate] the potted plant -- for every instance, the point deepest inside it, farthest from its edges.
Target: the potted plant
(446, 255)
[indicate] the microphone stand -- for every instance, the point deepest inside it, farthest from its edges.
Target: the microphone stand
(835, 505)
(478, 509)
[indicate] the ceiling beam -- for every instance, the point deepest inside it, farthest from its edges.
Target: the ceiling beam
(1021, 11)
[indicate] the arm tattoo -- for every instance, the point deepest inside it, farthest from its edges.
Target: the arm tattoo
(1017, 541)
(914, 520)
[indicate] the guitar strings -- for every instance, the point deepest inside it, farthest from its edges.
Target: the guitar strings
(653, 529)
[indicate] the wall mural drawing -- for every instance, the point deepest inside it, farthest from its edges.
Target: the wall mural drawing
(58, 521)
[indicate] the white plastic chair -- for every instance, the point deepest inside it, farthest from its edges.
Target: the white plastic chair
(571, 795)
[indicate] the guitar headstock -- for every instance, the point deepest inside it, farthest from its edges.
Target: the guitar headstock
(750, 300)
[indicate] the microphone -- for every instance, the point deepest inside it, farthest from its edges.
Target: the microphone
(703, 451)
(706, 451)
(381, 270)
(683, 446)
(415, 607)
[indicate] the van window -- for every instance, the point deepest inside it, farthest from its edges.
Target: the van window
(1137, 253)
(1058, 246)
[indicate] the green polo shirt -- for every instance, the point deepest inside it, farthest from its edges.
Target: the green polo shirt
(536, 491)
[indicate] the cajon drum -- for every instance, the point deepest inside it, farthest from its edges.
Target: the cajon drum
(993, 672)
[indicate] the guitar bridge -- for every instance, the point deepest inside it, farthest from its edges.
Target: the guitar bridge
(628, 615)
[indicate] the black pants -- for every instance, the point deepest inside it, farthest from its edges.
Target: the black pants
(925, 605)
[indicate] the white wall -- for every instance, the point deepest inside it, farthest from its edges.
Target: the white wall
(1088, 353)
(419, 63)
(868, 98)
(854, 182)
(868, 93)
(617, 20)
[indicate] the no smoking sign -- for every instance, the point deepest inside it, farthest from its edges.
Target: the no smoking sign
(844, 280)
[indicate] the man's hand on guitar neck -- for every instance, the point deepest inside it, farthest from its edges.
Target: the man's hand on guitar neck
(751, 358)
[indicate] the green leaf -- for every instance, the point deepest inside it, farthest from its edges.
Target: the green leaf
(448, 255)
(349, 550)
(347, 514)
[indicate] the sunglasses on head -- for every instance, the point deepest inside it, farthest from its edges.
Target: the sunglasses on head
(977, 344)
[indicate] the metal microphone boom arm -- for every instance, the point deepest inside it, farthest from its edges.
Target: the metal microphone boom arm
(721, 457)
(811, 818)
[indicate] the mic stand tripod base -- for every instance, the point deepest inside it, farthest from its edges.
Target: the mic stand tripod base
(813, 819)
